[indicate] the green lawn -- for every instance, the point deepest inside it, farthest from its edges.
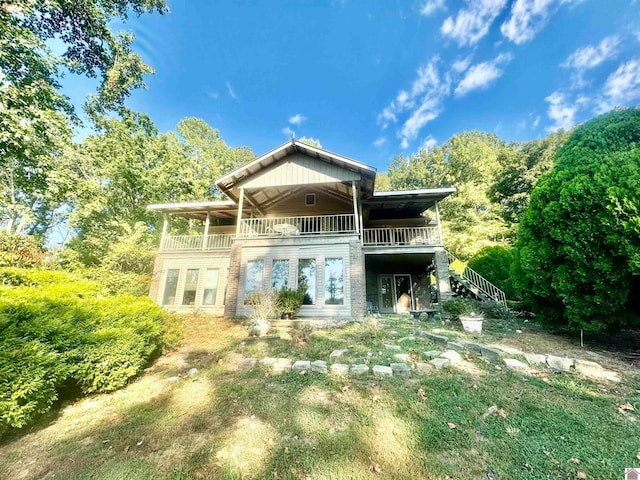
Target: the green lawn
(230, 424)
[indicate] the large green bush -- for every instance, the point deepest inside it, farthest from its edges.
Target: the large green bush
(20, 251)
(494, 264)
(579, 240)
(57, 329)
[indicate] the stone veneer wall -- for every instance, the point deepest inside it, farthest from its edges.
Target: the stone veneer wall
(233, 281)
(358, 280)
(442, 274)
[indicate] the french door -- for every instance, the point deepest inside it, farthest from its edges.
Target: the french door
(395, 294)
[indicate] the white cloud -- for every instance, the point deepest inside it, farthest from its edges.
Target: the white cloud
(481, 75)
(429, 110)
(460, 66)
(429, 142)
(623, 85)
(561, 112)
(212, 95)
(536, 122)
(297, 119)
(432, 6)
(591, 56)
(379, 142)
(288, 132)
(231, 91)
(472, 23)
(527, 18)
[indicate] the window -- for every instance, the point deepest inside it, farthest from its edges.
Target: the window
(210, 292)
(253, 282)
(307, 279)
(310, 199)
(170, 287)
(280, 274)
(190, 286)
(333, 281)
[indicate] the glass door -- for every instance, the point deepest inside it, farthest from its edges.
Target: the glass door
(403, 293)
(386, 294)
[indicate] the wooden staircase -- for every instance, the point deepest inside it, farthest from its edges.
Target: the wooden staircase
(467, 279)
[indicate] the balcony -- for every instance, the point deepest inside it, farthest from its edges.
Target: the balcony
(193, 243)
(401, 237)
(293, 226)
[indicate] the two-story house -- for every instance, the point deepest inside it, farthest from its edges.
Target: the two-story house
(300, 215)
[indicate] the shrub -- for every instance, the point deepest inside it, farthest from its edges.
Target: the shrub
(290, 301)
(461, 306)
(20, 251)
(59, 330)
(494, 263)
(490, 309)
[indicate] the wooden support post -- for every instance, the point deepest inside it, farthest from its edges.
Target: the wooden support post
(240, 204)
(205, 239)
(163, 238)
(355, 206)
(439, 225)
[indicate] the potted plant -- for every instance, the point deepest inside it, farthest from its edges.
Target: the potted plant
(466, 311)
(263, 306)
(290, 301)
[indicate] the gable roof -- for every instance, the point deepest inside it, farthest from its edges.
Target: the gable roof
(230, 181)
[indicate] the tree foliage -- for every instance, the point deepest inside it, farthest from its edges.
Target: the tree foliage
(579, 240)
(494, 264)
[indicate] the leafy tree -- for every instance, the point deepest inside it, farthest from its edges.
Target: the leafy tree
(494, 264)
(579, 240)
(383, 183)
(314, 142)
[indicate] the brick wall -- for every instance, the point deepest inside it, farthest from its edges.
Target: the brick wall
(233, 281)
(358, 280)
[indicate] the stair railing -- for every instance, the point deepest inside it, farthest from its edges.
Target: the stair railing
(482, 284)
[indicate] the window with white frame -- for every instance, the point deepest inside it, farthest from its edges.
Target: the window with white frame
(280, 274)
(170, 286)
(253, 282)
(307, 279)
(210, 289)
(334, 281)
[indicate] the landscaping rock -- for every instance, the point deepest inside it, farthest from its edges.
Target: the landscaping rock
(431, 354)
(535, 358)
(433, 337)
(173, 379)
(319, 366)
(588, 368)
(359, 369)
(382, 371)
(514, 364)
(392, 347)
(247, 364)
(282, 365)
(339, 368)
(458, 347)
(472, 347)
(451, 355)
(422, 367)
(302, 365)
(510, 350)
(560, 363)
(192, 372)
(401, 369)
(338, 353)
(268, 361)
(439, 362)
(490, 353)
(403, 357)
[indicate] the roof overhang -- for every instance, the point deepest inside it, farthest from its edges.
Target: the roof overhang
(404, 202)
(198, 210)
(227, 183)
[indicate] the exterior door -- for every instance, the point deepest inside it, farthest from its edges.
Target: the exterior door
(386, 300)
(403, 293)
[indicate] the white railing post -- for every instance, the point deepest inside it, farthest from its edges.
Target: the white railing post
(205, 239)
(240, 204)
(163, 237)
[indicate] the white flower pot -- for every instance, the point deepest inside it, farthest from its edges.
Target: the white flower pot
(471, 324)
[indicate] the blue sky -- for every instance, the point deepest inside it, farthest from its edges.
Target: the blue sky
(373, 79)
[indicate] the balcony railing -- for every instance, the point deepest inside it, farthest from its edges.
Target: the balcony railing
(401, 236)
(292, 226)
(185, 243)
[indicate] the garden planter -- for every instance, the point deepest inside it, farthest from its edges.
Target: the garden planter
(259, 328)
(471, 324)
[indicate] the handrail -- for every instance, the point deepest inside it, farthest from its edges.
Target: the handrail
(400, 236)
(481, 283)
(181, 243)
(302, 225)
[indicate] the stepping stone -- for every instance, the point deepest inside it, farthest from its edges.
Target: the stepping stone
(560, 363)
(472, 347)
(455, 346)
(403, 357)
(301, 365)
(247, 364)
(435, 338)
(535, 359)
(439, 362)
(514, 364)
(588, 368)
(382, 371)
(339, 368)
(268, 361)
(392, 347)
(192, 372)
(282, 365)
(338, 353)
(319, 366)
(431, 354)
(401, 369)
(422, 367)
(451, 355)
(511, 350)
(490, 353)
(359, 369)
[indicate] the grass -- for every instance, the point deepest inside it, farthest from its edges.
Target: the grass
(228, 424)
